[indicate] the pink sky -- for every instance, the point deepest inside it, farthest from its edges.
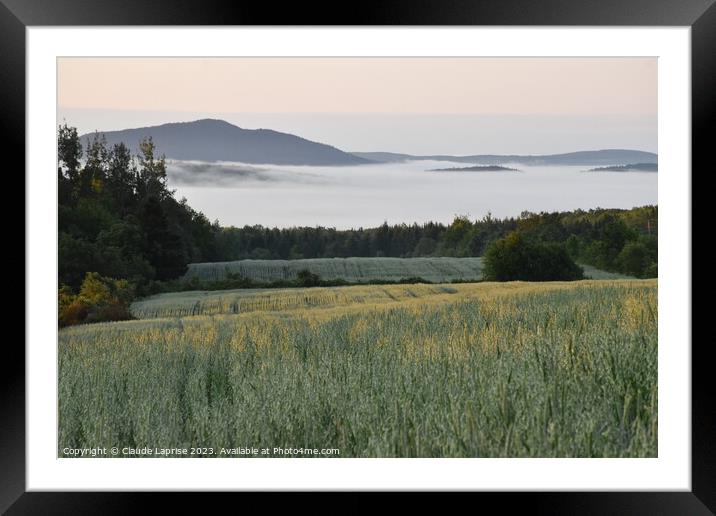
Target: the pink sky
(525, 86)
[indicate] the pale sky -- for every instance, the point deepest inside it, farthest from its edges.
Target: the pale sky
(460, 105)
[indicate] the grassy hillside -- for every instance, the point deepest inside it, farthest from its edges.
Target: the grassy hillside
(356, 270)
(349, 269)
(490, 370)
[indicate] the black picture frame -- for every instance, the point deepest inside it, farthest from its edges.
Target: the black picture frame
(700, 15)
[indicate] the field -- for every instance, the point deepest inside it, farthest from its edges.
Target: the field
(180, 304)
(352, 270)
(452, 370)
(355, 270)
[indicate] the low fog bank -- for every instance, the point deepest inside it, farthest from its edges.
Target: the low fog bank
(203, 174)
(367, 195)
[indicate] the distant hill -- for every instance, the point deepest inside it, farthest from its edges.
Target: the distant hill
(632, 167)
(598, 157)
(217, 140)
(475, 168)
(387, 157)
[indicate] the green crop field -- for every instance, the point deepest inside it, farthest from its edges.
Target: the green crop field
(456, 370)
(355, 270)
(352, 270)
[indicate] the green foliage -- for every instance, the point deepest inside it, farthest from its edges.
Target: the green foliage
(517, 258)
(594, 237)
(86, 218)
(307, 278)
(651, 271)
(425, 247)
(162, 245)
(95, 289)
(633, 258)
(455, 236)
(117, 217)
(69, 153)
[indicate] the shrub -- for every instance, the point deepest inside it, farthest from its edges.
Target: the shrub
(307, 278)
(99, 299)
(517, 258)
(74, 312)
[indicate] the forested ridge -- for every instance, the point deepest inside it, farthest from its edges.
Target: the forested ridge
(122, 231)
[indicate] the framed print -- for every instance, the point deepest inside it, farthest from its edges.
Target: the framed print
(420, 246)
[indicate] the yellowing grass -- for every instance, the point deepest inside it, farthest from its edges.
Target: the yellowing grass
(337, 300)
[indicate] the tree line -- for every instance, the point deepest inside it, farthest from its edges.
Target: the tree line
(616, 240)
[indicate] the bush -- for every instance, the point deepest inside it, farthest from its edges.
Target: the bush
(517, 258)
(307, 278)
(633, 259)
(99, 299)
(74, 312)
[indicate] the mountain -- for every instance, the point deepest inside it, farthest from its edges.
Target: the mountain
(631, 167)
(387, 157)
(476, 168)
(598, 157)
(217, 140)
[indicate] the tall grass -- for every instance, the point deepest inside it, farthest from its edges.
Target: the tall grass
(536, 372)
